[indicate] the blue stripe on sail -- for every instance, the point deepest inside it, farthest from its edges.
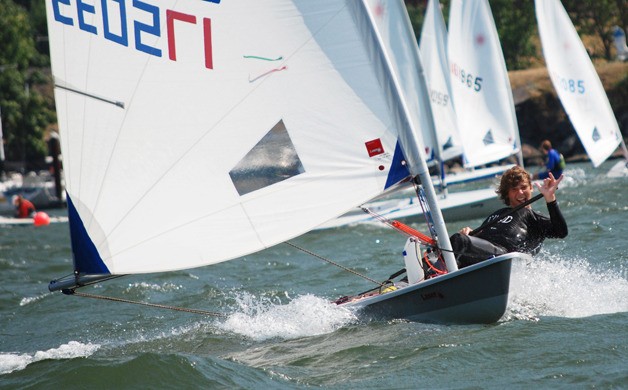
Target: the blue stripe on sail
(86, 257)
(398, 171)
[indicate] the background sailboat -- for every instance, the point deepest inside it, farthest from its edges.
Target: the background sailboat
(479, 123)
(433, 46)
(291, 112)
(480, 85)
(449, 143)
(578, 86)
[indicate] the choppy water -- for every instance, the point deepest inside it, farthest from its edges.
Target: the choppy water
(566, 325)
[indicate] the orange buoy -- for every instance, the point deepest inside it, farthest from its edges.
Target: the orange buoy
(41, 219)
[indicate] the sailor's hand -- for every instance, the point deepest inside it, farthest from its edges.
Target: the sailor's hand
(549, 187)
(465, 230)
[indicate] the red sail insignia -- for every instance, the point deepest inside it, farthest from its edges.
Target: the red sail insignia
(374, 147)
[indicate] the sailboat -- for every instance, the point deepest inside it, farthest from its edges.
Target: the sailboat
(285, 114)
(578, 86)
(465, 69)
(480, 86)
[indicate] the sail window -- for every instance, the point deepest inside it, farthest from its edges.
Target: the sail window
(272, 160)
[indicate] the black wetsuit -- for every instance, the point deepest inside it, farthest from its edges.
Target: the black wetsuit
(523, 231)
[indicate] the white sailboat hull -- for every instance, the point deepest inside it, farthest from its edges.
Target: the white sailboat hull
(620, 169)
(455, 206)
(29, 221)
(475, 294)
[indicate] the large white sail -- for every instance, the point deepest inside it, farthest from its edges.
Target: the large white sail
(433, 47)
(480, 85)
(576, 82)
(194, 132)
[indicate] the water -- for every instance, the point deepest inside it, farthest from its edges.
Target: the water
(566, 324)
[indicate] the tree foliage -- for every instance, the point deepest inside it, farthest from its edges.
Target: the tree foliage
(516, 24)
(25, 111)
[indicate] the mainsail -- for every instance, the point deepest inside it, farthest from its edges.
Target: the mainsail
(195, 132)
(480, 85)
(433, 47)
(577, 83)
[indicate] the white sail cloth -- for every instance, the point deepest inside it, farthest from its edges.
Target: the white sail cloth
(433, 46)
(480, 85)
(195, 132)
(576, 82)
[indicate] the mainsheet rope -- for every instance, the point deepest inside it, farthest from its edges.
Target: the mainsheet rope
(333, 263)
(175, 308)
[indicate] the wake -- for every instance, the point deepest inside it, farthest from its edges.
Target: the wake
(261, 319)
(553, 286)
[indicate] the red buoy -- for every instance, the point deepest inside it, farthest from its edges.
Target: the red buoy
(41, 219)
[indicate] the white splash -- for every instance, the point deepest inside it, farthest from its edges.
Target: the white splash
(10, 362)
(307, 315)
(574, 177)
(143, 286)
(552, 286)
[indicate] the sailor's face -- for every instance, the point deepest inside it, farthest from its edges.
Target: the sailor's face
(519, 193)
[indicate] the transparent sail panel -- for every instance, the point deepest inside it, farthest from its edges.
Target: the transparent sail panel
(273, 159)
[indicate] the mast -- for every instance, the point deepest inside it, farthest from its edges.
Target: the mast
(409, 131)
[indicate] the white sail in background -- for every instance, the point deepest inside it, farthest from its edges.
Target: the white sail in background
(194, 132)
(480, 85)
(576, 81)
(433, 47)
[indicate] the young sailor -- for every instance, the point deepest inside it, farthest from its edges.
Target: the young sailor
(523, 230)
(554, 163)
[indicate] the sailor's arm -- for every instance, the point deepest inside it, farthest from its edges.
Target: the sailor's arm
(548, 189)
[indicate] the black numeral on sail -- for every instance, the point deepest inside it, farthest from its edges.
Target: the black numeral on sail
(442, 99)
(466, 78)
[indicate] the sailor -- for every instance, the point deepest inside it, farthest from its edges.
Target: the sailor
(23, 207)
(523, 230)
(554, 163)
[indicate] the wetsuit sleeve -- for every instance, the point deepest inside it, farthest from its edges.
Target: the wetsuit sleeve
(558, 227)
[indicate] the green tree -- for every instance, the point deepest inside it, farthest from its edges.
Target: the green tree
(515, 22)
(597, 17)
(25, 111)
(516, 25)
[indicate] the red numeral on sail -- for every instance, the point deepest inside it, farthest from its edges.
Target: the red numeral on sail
(171, 16)
(207, 30)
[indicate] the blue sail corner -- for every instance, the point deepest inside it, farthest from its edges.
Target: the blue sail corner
(87, 260)
(398, 170)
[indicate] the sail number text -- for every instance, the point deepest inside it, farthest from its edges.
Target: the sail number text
(571, 85)
(439, 98)
(112, 20)
(466, 78)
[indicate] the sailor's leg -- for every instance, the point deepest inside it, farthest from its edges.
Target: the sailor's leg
(470, 250)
